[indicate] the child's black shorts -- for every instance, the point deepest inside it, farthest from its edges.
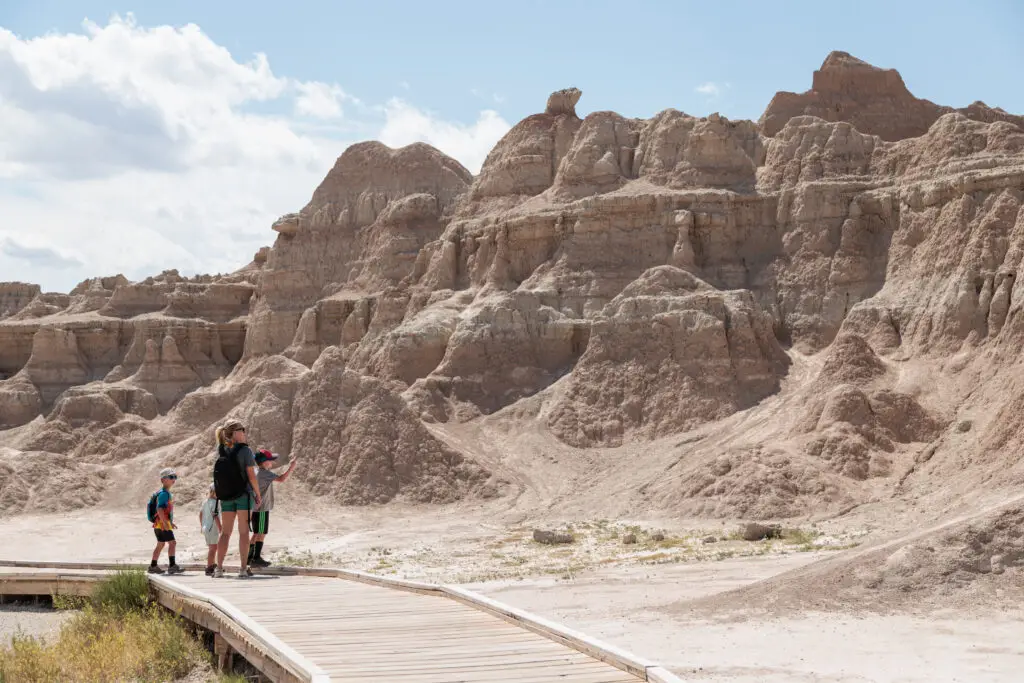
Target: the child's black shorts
(163, 536)
(260, 522)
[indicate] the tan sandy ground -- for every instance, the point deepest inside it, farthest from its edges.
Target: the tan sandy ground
(30, 620)
(598, 586)
(621, 606)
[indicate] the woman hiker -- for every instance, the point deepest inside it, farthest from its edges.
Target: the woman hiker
(234, 479)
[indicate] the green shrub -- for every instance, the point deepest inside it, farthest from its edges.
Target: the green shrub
(120, 636)
(232, 678)
(125, 590)
(148, 646)
(800, 536)
(69, 602)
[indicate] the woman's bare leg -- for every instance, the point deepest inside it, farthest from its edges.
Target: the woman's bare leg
(243, 538)
(227, 522)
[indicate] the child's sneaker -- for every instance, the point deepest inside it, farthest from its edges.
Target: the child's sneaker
(211, 569)
(153, 569)
(218, 573)
(175, 569)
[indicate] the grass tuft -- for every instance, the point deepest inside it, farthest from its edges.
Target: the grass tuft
(69, 602)
(126, 590)
(803, 537)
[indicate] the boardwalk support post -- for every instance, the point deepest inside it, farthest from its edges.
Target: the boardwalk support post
(225, 656)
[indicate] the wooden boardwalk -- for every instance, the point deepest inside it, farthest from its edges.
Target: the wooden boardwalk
(347, 626)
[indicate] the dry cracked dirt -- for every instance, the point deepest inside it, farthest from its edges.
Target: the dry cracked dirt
(660, 328)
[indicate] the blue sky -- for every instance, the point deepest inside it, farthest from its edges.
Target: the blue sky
(147, 135)
(636, 58)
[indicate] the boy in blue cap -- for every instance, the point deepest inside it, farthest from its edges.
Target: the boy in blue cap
(161, 513)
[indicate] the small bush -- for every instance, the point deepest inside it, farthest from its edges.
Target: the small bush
(800, 536)
(232, 678)
(27, 659)
(119, 637)
(148, 646)
(69, 602)
(125, 590)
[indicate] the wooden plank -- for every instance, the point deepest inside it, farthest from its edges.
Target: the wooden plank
(339, 612)
(286, 654)
(591, 646)
(612, 675)
(374, 579)
(393, 622)
(23, 584)
(527, 660)
(360, 644)
(206, 616)
(400, 655)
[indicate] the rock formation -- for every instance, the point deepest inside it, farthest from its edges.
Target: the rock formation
(668, 353)
(875, 101)
(785, 317)
(361, 232)
(14, 296)
(100, 331)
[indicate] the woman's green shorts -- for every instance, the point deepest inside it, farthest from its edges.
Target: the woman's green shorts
(243, 502)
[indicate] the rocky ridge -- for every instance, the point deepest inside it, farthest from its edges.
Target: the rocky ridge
(818, 300)
(876, 101)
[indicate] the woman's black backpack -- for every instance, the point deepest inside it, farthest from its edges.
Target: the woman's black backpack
(229, 480)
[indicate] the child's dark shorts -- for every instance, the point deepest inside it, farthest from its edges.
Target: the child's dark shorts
(164, 536)
(260, 522)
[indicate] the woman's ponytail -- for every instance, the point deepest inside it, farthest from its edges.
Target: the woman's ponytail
(225, 433)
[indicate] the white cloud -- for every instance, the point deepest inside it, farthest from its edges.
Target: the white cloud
(121, 96)
(133, 149)
(711, 90)
(469, 144)
(44, 257)
(319, 100)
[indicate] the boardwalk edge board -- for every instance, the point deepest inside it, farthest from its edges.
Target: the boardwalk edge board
(658, 674)
(644, 669)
